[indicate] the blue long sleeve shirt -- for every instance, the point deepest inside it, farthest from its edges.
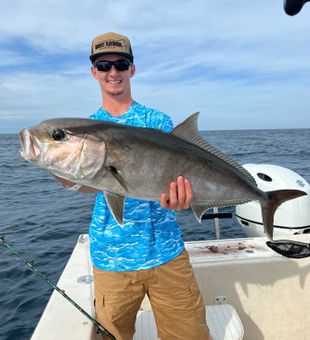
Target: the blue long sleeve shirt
(150, 235)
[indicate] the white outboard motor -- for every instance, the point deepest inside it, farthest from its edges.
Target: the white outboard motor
(292, 217)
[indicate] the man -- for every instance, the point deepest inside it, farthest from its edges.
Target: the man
(146, 255)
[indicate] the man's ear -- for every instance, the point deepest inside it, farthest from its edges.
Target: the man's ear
(94, 72)
(132, 70)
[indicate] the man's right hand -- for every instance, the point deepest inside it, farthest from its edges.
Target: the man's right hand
(68, 184)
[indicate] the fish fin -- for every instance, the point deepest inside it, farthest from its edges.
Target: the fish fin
(274, 200)
(116, 206)
(188, 131)
(117, 175)
(199, 208)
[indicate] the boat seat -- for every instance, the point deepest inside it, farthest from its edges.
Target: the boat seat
(223, 322)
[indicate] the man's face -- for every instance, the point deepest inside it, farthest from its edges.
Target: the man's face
(113, 82)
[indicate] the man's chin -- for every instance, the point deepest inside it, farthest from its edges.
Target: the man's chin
(116, 93)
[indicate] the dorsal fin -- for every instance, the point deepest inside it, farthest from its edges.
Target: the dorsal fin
(188, 131)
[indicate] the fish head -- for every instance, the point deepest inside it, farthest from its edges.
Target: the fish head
(64, 146)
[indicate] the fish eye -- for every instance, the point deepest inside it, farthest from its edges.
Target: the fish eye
(58, 134)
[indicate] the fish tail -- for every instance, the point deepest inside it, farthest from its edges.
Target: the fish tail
(273, 200)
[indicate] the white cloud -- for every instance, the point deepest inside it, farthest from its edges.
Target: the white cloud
(231, 104)
(242, 64)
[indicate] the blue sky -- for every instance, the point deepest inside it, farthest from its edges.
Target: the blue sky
(242, 64)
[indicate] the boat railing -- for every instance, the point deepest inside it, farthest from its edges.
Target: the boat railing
(216, 216)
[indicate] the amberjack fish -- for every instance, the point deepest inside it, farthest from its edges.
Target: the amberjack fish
(125, 161)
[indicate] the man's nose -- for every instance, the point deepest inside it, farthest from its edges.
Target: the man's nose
(113, 70)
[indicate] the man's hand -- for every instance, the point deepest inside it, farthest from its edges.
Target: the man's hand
(179, 197)
(68, 184)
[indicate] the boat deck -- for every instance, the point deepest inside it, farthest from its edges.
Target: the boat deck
(270, 292)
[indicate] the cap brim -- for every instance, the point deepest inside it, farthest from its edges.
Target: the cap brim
(93, 57)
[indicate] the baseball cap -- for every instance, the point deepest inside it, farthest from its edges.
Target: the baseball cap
(111, 43)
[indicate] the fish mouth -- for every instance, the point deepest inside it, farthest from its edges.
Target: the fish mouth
(30, 150)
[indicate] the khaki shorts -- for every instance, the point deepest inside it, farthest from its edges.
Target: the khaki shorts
(173, 292)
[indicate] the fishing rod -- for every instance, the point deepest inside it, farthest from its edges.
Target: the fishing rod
(30, 264)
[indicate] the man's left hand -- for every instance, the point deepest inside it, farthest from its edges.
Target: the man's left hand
(179, 197)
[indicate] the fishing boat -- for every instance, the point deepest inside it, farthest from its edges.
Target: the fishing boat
(250, 291)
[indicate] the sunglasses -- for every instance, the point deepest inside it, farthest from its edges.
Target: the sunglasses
(105, 66)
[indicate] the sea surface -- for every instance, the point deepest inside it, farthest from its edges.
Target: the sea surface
(43, 221)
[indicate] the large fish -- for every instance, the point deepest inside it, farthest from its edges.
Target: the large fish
(140, 163)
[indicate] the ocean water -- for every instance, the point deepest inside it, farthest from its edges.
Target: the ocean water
(43, 221)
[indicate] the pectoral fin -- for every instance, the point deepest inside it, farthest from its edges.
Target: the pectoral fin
(116, 206)
(118, 176)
